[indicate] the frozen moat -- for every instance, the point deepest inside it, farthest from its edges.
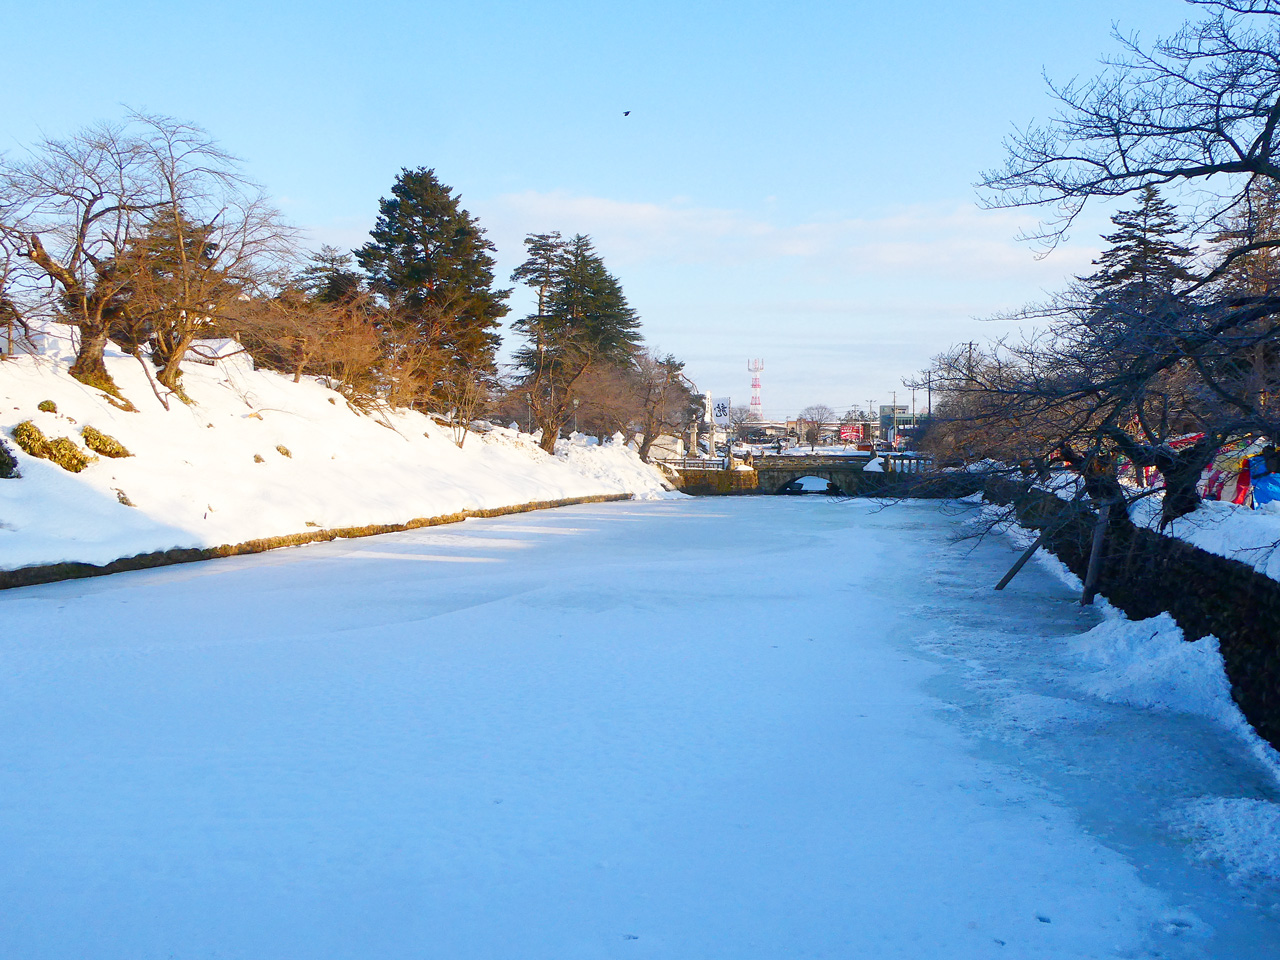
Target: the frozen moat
(749, 728)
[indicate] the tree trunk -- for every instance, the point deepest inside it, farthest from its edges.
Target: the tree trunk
(171, 372)
(1095, 555)
(550, 434)
(646, 444)
(90, 365)
(1181, 495)
(171, 369)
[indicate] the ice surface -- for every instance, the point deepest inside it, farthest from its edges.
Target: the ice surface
(730, 728)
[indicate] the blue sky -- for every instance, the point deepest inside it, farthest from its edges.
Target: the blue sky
(794, 181)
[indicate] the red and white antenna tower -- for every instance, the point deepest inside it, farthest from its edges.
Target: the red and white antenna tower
(757, 410)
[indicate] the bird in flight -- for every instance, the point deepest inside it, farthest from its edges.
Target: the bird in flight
(626, 113)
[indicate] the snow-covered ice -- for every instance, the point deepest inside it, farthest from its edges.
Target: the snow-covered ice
(729, 728)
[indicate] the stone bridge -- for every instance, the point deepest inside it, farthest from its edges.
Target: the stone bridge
(773, 474)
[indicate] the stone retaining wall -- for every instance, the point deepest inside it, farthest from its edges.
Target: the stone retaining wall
(1144, 573)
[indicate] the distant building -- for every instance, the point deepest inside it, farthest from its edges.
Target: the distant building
(894, 420)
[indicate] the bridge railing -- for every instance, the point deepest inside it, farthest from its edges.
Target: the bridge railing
(904, 463)
(890, 462)
(856, 462)
(688, 464)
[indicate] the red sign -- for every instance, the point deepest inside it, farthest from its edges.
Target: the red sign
(850, 432)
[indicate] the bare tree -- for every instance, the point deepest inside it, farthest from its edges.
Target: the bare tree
(1126, 376)
(1201, 107)
(212, 243)
(145, 224)
(10, 313)
(68, 211)
(666, 402)
(740, 421)
(467, 390)
(607, 400)
(817, 417)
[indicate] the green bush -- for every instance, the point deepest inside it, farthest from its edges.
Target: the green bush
(62, 451)
(67, 454)
(283, 451)
(31, 439)
(99, 442)
(47, 406)
(8, 463)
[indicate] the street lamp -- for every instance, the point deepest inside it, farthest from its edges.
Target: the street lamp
(576, 401)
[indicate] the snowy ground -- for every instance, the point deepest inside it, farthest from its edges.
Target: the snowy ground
(256, 455)
(729, 728)
(1237, 532)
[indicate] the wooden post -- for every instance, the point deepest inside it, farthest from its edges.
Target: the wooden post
(1095, 555)
(1050, 529)
(1022, 560)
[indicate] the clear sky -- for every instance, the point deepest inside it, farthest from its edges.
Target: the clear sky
(794, 181)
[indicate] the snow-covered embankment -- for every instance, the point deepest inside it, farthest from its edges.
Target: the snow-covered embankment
(257, 456)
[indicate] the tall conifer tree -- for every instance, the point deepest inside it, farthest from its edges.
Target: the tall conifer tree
(1145, 263)
(431, 260)
(582, 321)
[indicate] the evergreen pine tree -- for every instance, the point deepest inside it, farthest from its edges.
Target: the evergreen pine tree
(1145, 263)
(582, 321)
(431, 260)
(541, 270)
(329, 277)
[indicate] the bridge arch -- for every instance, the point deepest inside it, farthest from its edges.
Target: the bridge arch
(843, 474)
(781, 482)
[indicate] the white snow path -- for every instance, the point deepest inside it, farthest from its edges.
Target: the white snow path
(751, 728)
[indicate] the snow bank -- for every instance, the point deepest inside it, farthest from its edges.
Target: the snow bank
(256, 455)
(1148, 663)
(1241, 833)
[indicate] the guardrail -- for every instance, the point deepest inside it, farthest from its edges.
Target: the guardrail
(690, 464)
(896, 462)
(906, 464)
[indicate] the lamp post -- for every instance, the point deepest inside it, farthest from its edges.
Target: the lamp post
(576, 401)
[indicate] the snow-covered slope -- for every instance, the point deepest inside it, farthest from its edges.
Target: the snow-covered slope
(256, 455)
(1236, 532)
